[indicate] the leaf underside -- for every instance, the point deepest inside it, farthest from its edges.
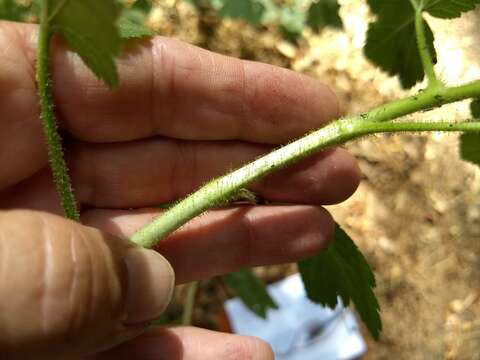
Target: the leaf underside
(342, 271)
(251, 290)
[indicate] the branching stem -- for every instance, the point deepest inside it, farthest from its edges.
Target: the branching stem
(49, 124)
(222, 189)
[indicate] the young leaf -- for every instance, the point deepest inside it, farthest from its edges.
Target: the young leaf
(448, 9)
(250, 289)
(324, 13)
(391, 41)
(342, 271)
(89, 28)
(250, 10)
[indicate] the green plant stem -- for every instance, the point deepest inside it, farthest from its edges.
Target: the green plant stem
(49, 124)
(424, 49)
(189, 303)
(222, 189)
(424, 100)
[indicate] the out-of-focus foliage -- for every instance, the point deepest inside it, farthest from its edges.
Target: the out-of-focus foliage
(24, 11)
(292, 17)
(136, 12)
(470, 143)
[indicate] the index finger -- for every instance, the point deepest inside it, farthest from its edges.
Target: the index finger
(174, 89)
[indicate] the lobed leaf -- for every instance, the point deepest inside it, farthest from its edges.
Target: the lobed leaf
(250, 289)
(449, 9)
(342, 271)
(392, 43)
(90, 29)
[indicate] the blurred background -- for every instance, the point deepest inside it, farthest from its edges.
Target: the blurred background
(416, 215)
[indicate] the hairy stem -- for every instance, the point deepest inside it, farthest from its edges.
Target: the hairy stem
(425, 100)
(49, 124)
(222, 189)
(424, 49)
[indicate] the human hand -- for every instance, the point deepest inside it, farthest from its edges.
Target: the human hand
(180, 117)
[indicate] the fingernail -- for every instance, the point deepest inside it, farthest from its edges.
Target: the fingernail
(150, 285)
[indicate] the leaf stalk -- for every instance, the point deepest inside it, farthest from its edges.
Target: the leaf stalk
(424, 49)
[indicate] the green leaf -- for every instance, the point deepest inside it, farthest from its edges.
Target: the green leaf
(143, 5)
(292, 22)
(470, 143)
(131, 30)
(138, 12)
(470, 148)
(449, 9)
(475, 107)
(391, 41)
(90, 29)
(342, 271)
(250, 289)
(250, 10)
(324, 13)
(11, 10)
(131, 24)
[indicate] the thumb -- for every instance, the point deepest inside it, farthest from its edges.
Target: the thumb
(68, 290)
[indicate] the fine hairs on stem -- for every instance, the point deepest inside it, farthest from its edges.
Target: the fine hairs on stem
(49, 122)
